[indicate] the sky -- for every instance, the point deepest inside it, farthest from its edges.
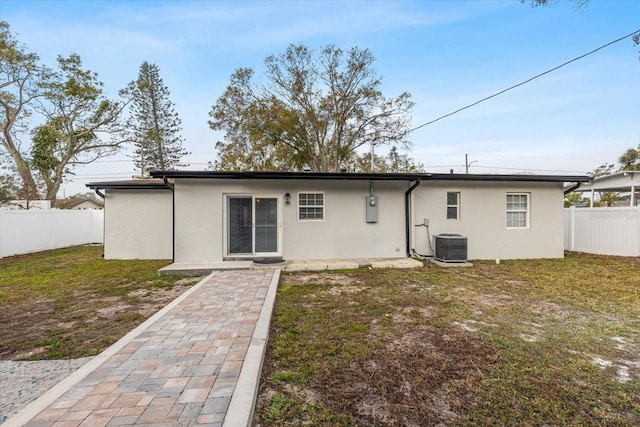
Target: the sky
(447, 54)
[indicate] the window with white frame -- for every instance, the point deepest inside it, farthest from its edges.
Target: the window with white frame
(517, 210)
(311, 206)
(453, 205)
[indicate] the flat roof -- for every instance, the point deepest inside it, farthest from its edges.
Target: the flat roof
(130, 184)
(158, 176)
(364, 176)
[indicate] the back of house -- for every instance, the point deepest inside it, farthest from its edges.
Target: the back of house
(211, 216)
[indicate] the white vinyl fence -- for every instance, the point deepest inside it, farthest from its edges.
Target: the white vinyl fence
(605, 231)
(37, 230)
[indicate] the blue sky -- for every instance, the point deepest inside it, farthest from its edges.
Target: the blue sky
(447, 54)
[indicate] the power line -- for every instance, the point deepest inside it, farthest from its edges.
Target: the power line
(526, 170)
(524, 82)
(419, 154)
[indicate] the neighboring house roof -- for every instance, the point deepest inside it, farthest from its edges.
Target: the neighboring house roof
(72, 203)
(133, 184)
(621, 181)
(158, 182)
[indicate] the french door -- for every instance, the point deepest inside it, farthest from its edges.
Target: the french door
(253, 226)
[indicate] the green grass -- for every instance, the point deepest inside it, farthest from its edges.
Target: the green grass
(529, 342)
(57, 273)
(71, 302)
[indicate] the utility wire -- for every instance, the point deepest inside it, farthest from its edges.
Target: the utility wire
(524, 82)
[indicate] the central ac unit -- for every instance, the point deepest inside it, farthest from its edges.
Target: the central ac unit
(451, 248)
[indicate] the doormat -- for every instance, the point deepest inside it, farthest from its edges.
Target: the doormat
(275, 260)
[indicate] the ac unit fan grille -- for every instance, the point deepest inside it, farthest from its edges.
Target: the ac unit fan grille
(451, 248)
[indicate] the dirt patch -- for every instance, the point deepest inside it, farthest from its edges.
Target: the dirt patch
(318, 278)
(343, 290)
(112, 310)
(402, 383)
(494, 300)
(82, 325)
(138, 293)
(627, 365)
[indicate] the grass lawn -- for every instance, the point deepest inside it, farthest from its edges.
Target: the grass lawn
(71, 302)
(527, 343)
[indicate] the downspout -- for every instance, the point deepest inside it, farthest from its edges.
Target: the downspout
(173, 218)
(407, 215)
(573, 214)
(573, 188)
(104, 218)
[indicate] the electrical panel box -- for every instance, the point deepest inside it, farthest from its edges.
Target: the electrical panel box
(372, 208)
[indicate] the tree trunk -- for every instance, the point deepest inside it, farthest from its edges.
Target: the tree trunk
(29, 184)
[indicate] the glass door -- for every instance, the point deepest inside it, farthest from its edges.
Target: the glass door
(266, 232)
(240, 224)
(252, 225)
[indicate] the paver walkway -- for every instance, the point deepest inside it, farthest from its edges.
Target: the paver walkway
(181, 370)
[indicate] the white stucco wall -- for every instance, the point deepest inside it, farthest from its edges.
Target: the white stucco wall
(483, 218)
(344, 233)
(138, 224)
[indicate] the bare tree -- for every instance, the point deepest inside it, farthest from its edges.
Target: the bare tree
(314, 109)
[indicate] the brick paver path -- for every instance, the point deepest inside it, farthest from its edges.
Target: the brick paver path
(182, 370)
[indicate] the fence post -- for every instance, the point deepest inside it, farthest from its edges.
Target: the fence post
(52, 214)
(572, 228)
(638, 240)
(1, 232)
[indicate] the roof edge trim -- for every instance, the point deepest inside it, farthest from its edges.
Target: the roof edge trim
(365, 176)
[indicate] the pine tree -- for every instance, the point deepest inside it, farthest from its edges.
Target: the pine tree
(154, 123)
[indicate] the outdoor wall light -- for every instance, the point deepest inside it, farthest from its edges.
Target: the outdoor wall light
(287, 198)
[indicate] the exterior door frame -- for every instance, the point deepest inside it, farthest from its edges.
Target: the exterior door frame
(225, 225)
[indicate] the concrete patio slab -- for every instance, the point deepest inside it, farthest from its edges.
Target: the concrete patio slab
(290, 265)
(198, 269)
(320, 265)
(451, 264)
(396, 263)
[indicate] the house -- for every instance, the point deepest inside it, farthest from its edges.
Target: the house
(78, 204)
(627, 183)
(211, 216)
(138, 219)
(17, 205)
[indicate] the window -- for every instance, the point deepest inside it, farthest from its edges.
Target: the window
(453, 205)
(517, 210)
(311, 206)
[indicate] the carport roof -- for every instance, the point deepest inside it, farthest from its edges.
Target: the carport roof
(622, 181)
